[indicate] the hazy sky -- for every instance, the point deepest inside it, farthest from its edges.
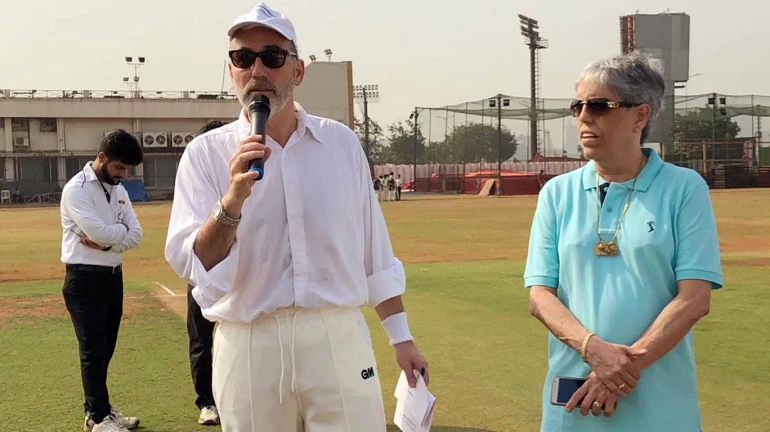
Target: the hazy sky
(419, 52)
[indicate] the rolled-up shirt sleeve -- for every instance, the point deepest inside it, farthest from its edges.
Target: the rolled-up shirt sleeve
(195, 195)
(542, 268)
(385, 276)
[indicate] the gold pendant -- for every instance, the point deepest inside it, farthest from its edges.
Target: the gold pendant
(600, 249)
(606, 249)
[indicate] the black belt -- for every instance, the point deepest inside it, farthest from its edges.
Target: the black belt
(95, 268)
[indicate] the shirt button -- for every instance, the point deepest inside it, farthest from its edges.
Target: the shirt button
(609, 209)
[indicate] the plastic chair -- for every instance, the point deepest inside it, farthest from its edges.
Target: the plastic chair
(5, 196)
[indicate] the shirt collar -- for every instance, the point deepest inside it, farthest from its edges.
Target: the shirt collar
(304, 123)
(89, 172)
(648, 174)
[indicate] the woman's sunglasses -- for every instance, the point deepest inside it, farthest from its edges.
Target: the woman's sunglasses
(597, 106)
(273, 58)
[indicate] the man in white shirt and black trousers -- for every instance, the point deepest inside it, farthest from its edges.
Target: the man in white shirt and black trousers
(99, 224)
(283, 265)
(200, 332)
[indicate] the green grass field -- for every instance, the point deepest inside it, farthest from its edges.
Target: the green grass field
(465, 297)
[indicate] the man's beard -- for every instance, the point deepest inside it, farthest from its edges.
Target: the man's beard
(114, 181)
(278, 99)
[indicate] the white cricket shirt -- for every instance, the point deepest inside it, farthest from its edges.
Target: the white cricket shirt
(312, 232)
(85, 212)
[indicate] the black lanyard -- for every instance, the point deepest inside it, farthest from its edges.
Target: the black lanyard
(106, 194)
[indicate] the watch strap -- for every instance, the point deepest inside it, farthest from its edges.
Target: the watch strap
(224, 219)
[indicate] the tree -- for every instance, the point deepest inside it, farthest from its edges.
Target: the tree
(477, 142)
(699, 125)
(375, 149)
(401, 148)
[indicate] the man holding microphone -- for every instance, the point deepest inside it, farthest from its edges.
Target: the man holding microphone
(281, 264)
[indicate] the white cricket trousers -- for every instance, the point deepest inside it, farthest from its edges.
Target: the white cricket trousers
(310, 370)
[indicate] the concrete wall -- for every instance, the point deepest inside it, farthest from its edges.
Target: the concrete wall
(85, 135)
(41, 141)
(174, 125)
(118, 108)
(328, 91)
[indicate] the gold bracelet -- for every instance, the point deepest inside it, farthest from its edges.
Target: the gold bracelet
(585, 345)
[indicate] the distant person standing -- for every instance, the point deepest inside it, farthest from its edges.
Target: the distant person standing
(99, 224)
(381, 194)
(377, 187)
(541, 180)
(200, 332)
(399, 185)
(391, 187)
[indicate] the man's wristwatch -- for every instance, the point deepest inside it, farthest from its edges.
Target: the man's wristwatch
(221, 217)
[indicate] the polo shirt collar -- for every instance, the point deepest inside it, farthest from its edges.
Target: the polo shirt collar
(648, 174)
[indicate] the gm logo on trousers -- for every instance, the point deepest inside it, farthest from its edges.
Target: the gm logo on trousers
(367, 373)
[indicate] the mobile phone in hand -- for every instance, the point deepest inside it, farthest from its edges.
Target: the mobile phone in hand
(562, 389)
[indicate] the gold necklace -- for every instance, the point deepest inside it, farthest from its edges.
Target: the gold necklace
(611, 248)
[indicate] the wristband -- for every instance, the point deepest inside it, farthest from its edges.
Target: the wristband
(397, 328)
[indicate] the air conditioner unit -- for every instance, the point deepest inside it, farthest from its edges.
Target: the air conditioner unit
(21, 142)
(178, 139)
(155, 140)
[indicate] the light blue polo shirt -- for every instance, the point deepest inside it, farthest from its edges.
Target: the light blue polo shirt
(669, 234)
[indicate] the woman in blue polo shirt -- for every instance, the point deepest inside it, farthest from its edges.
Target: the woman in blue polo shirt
(623, 256)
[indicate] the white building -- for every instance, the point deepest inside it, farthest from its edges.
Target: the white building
(47, 136)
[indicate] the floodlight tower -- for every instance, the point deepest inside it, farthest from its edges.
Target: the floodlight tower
(365, 94)
(529, 29)
(134, 86)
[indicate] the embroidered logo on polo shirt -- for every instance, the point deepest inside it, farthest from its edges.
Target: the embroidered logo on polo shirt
(121, 202)
(651, 225)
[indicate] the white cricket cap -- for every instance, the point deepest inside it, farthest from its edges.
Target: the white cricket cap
(262, 15)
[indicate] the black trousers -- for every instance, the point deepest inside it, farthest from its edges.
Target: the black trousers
(201, 334)
(95, 304)
(398, 193)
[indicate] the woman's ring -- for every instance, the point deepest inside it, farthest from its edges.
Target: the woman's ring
(595, 406)
(622, 386)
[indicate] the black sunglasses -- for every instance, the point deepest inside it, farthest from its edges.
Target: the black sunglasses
(273, 58)
(597, 106)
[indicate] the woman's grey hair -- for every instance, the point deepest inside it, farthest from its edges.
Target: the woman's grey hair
(635, 77)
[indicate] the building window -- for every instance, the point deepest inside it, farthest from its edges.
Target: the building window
(75, 165)
(47, 125)
(37, 169)
(2, 169)
(20, 125)
(160, 171)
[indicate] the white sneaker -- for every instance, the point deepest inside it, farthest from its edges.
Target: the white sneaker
(209, 416)
(109, 424)
(126, 422)
(117, 417)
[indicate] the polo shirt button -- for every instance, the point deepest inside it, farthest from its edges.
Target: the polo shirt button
(609, 209)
